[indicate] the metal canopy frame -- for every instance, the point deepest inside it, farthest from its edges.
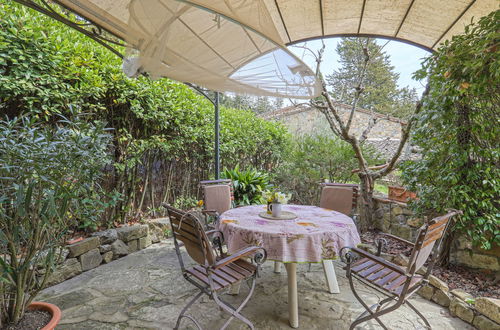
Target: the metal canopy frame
(98, 33)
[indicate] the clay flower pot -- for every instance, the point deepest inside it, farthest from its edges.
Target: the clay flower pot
(52, 309)
(74, 240)
(400, 194)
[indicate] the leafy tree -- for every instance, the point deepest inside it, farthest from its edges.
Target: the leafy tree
(341, 125)
(258, 104)
(458, 132)
(380, 92)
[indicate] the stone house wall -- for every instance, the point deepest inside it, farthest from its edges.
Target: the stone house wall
(303, 120)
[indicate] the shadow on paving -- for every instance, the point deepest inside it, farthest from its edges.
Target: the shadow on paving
(145, 290)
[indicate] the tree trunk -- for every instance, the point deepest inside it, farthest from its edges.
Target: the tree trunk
(367, 203)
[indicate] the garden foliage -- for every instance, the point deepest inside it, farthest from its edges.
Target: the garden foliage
(312, 159)
(458, 131)
(162, 137)
(47, 177)
(248, 185)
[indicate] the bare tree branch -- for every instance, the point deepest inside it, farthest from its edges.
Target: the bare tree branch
(405, 134)
(359, 88)
(371, 123)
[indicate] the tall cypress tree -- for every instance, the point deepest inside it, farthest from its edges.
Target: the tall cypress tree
(380, 90)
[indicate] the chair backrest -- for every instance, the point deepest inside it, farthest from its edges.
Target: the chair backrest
(338, 198)
(188, 229)
(429, 234)
(217, 195)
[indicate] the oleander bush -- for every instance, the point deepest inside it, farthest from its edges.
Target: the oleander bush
(46, 173)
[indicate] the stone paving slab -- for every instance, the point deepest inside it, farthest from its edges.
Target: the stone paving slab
(145, 290)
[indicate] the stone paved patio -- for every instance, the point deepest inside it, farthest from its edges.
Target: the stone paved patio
(145, 290)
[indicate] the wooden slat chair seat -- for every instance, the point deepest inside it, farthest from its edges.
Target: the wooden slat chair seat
(397, 282)
(225, 276)
(383, 277)
(214, 270)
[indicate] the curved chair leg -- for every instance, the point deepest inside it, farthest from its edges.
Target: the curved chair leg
(378, 305)
(375, 315)
(235, 312)
(420, 315)
(361, 319)
(182, 314)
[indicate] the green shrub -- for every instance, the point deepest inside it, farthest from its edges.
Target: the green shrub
(458, 131)
(313, 159)
(162, 130)
(44, 173)
(248, 185)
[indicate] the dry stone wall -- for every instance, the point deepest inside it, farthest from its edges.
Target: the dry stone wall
(105, 246)
(481, 312)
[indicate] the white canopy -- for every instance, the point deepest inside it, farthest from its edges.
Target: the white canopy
(240, 45)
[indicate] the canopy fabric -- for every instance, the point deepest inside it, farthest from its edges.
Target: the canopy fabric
(240, 45)
(189, 43)
(425, 23)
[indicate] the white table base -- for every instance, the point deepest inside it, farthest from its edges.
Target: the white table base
(291, 270)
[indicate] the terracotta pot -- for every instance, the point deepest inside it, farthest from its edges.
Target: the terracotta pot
(400, 194)
(74, 240)
(52, 309)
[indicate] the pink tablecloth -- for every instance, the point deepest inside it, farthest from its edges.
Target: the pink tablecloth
(316, 234)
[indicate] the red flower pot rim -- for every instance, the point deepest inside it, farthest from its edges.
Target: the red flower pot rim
(52, 309)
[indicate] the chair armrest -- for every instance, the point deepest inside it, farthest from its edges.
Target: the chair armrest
(399, 239)
(210, 212)
(248, 251)
(378, 260)
(214, 231)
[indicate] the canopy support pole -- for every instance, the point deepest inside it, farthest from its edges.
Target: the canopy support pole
(217, 141)
(215, 102)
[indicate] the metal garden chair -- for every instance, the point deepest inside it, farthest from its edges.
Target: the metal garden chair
(214, 271)
(398, 283)
(218, 197)
(341, 197)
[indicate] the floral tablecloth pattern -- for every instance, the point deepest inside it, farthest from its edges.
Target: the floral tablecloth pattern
(316, 234)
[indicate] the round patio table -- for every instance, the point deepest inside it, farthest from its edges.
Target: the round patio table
(316, 235)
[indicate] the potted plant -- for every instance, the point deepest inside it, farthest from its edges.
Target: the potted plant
(274, 201)
(400, 194)
(43, 172)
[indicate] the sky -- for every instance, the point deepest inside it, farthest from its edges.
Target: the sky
(405, 58)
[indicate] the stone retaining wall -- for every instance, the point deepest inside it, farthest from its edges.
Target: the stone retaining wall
(395, 218)
(104, 246)
(482, 312)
